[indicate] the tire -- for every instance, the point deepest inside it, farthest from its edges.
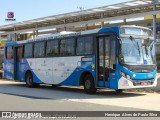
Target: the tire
(119, 91)
(54, 86)
(0, 76)
(29, 80)
(89, 85)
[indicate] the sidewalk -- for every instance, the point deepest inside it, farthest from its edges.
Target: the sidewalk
(157, 88)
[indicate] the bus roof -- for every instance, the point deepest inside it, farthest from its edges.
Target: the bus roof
(66, 34)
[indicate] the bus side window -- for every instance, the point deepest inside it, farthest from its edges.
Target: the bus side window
(39, 49)
(84, 45)
(67, 47)
(80, 46)
(28, 50)
(52, 48)
(9, 52)
(113, 52)
(20, 53)
(70, 47)
(88, 47)
(63, 47)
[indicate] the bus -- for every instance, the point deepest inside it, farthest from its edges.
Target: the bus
(119, 58)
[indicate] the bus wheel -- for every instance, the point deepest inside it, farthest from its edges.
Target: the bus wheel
(54, 86)
(29, 80)
(89, 86)
(119, 91)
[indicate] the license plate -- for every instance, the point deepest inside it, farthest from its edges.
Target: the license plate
(144, 83)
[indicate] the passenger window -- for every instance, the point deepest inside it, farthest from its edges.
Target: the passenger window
(52, 48)
(67, 47)
(20, 53)
(80, 46)
(113, 52)
(88, 47)
(63, 48)
(9, 52)
(39, 49)
(84, 45)
(70, 47)
(28, 48)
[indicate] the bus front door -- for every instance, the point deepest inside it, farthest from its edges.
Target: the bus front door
(106, 59)
(18, 62)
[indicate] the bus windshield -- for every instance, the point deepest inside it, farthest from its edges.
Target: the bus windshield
(137, 51)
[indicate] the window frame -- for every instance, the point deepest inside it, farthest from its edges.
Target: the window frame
(24, 50)
(93, 44)
(17, 52)
(116, 44)
(74, 46)
(50, 40)
(6, 49)
(44, 42)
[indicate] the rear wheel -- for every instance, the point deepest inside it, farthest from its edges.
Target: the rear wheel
(89, 85)
(1, 76)
(54, 86)
(29, 80)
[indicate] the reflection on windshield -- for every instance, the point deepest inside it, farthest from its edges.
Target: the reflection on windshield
(133, 52)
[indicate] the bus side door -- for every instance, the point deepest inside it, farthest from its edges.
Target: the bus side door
(18, 63)
(9, 63)
(106, 59)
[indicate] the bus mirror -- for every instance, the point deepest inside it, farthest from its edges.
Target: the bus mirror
(114, 66)
(120, 41)
(145, 42)
(121, 58)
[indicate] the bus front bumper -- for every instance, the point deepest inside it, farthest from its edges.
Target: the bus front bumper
(124, 83)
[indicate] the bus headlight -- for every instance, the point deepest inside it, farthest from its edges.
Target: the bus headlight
(126, 75)
(123, 74)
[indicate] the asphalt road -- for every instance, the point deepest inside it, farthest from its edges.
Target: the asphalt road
(15, 96)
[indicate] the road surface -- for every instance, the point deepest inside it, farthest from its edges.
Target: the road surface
(15, 96)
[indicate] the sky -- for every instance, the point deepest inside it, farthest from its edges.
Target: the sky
(32, 9)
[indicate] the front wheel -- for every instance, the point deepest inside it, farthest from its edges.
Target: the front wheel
(89, 85)
(119, 91)
(29, 81)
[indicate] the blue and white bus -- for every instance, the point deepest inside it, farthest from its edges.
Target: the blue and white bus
(118, 58)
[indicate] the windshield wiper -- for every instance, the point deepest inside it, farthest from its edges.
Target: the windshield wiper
(139, 49)
(146, 50)
(136, 46)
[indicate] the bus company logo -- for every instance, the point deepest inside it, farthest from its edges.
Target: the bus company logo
(10, 16)
(6, 115)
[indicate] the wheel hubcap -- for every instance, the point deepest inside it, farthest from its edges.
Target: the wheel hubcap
(29, 80)
(88, 84)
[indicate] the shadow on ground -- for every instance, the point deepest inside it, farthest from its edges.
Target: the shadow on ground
(49, 92)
